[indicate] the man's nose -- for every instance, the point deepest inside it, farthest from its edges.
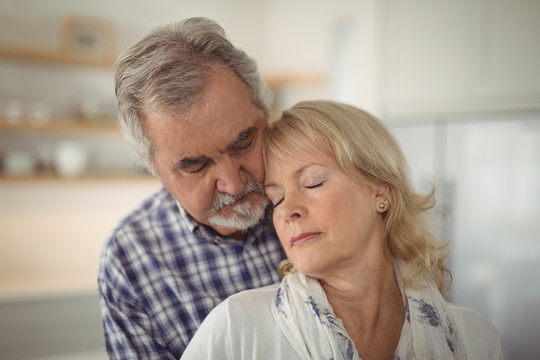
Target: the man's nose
(231, 179)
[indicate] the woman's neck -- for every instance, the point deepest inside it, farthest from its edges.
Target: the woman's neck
(368, 301)
(368, 285)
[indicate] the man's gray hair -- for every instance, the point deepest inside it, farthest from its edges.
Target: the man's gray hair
(167, 71)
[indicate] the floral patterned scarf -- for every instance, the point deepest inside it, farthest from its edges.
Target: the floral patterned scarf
(307, 320)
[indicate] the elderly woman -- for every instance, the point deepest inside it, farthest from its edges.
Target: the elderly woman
(364, 277)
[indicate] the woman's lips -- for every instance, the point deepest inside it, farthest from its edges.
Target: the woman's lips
(303, 238)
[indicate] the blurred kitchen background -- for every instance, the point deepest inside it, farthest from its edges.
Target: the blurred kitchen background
(457, 81)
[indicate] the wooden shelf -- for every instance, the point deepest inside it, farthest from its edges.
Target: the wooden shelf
(50, 177)
(62, 127)
(54, 57)
(84, 42)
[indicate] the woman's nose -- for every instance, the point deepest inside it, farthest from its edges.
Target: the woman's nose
(293, 208)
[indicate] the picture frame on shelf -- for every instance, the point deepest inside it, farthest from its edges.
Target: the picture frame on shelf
(88, 40)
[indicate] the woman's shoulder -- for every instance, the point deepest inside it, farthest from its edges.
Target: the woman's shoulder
(480, 336)
(240, 325)
(259, 294)
(470, 319)
(241, 306)
(250, 301)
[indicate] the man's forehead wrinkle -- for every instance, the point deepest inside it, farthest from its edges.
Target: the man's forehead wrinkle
(203, 101)
(242, 136)
(199, 159)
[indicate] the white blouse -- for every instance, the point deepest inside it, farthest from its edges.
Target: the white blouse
(242, 327)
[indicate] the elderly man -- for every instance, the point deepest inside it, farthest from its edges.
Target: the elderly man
(194, 107)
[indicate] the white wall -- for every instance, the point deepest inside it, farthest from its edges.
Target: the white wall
(307, 37)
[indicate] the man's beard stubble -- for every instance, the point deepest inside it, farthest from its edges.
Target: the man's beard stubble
(245, 215)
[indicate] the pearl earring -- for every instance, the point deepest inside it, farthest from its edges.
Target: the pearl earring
(383, 204)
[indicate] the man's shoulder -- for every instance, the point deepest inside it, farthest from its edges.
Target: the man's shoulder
(159, 208)
(148, 238)
(143, 225)
(154, 206)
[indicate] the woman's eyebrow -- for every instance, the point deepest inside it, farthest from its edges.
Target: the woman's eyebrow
(296, 173)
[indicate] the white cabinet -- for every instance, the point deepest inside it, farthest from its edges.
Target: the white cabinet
(488, 185)
(461, 56)
(509, 62)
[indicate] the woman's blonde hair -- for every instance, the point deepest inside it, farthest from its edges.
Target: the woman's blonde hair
(365, 149)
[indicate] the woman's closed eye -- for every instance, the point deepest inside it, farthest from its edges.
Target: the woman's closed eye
(314, 186)
(280, 200)
(275, 195)
(277, 202)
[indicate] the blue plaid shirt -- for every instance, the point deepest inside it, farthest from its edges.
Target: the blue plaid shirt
(162, 272)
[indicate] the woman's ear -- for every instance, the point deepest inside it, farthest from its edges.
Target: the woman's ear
(383, 197)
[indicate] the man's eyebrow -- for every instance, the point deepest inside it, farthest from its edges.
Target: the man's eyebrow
(186, 163)
(241, 139)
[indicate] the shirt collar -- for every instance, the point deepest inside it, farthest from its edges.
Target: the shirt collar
(188, 220)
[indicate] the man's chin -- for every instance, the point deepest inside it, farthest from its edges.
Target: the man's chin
(240, 216)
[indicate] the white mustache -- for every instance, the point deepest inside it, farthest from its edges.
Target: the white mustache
(225, 199)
